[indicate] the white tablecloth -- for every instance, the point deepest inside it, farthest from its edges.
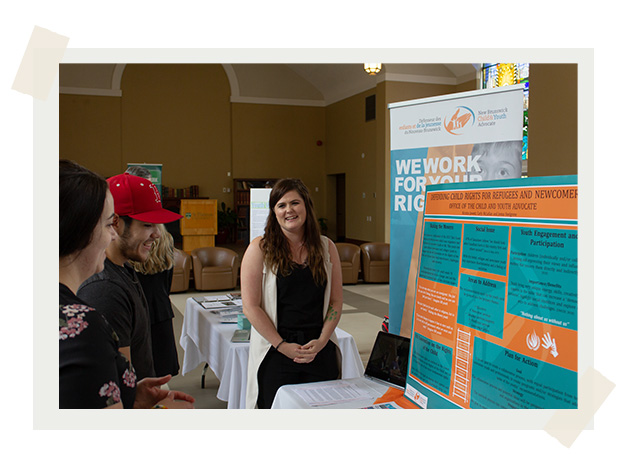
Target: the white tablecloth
(205, 340)
(287, 396)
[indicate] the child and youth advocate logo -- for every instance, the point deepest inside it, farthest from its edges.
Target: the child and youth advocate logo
(458, 122)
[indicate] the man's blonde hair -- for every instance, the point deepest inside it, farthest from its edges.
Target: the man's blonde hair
(161, 255)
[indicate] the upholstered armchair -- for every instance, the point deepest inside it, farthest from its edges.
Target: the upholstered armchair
(375, 262)
(350, 257)
(215, 268)
(182, 270)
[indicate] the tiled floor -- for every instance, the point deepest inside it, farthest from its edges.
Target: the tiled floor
(365, 305)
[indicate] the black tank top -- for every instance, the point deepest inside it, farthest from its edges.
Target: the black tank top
(300, 303)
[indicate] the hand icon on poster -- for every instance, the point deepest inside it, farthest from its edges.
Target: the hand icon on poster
(549, 343)
(533, 341)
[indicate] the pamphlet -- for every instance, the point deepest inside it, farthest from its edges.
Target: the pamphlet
(228, 319)
(225, 306)
(331, 393)
(241, 336)
(388, 405)
(212, 305)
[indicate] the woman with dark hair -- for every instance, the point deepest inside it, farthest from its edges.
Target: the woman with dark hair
(92, 372)
(292, 296)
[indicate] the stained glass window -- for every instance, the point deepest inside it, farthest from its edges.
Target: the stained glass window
(505, 74)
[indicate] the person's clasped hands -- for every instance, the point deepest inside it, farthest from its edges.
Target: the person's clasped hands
(302, 354)
(149, 394)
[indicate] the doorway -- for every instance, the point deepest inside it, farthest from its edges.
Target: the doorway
(341, 206)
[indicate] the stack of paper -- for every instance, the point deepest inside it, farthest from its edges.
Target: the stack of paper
(331, 393)
(387, 405)
(227, 307)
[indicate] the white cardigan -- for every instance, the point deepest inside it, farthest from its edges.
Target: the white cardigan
(259, 346)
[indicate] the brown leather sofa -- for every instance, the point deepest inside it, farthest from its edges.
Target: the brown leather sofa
(350, 257)
(375, 262)
(182, 271)
(215, 268)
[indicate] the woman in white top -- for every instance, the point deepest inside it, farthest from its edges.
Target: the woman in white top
(292, 295)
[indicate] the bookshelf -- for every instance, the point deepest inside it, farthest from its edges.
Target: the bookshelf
(242, 203)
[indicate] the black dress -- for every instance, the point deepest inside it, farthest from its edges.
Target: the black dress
(300, 320)
(156, 287)
(92, 372)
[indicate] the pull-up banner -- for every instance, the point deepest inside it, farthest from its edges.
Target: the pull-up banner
(155, 170)
(495, 322)
(259, 211)
(470, 136)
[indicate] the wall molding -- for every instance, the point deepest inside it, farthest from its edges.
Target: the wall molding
(235, 97)
(409, 78)
(232, 79)
(90, 91)
(277, 101)
(116, 80)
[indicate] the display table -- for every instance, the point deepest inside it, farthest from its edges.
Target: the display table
(287, 396)
(205, 340)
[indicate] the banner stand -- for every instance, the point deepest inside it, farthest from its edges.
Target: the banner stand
(469, 136)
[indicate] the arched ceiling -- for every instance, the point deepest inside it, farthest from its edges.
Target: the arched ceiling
(293, 83)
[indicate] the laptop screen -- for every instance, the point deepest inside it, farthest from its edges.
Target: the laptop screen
(389, 359)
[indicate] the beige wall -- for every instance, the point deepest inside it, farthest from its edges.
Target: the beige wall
(553, 120)
(351, 150)
(280, 141)
(181, 116)
(176, 115)
(90, 132)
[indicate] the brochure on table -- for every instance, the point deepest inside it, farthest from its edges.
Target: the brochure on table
(469, 136)
(495, 317)
(228, 307)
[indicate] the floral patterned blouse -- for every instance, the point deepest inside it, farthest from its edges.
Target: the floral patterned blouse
(92, 372)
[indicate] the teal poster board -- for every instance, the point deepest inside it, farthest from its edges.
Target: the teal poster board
(495, 321)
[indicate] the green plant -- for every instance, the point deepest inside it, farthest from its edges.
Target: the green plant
(226, 222)
(226, 217)
(323, 226)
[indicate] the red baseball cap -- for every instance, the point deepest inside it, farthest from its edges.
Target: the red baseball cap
(138, 198)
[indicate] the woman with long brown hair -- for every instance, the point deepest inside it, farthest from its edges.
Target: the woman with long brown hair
(292, 296)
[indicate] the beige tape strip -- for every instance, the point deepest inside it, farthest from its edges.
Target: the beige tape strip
(566, 425)
(40, 63)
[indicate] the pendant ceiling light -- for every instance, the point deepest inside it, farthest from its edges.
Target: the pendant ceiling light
(372, 68)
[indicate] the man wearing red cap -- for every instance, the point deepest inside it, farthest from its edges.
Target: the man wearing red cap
(116, 291)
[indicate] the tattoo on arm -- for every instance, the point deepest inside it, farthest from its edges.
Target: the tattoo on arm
(331, 314)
